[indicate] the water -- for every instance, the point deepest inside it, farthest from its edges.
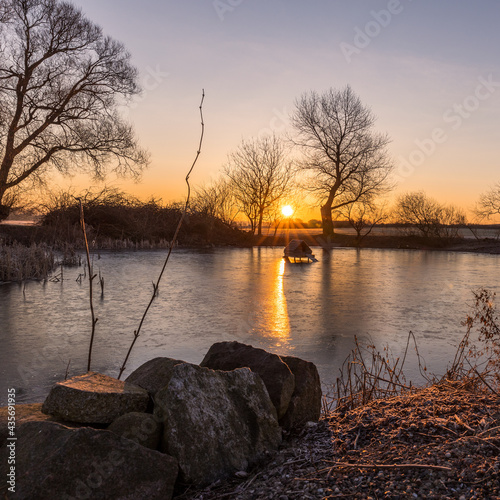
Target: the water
(313, 311)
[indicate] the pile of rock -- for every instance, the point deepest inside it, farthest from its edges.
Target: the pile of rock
(170, 424)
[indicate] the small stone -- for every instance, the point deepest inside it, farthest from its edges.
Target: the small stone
(241, 474)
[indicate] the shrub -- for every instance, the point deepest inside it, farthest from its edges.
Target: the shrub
(114, 219)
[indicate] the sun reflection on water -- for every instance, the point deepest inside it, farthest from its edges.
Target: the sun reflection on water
(278, 310)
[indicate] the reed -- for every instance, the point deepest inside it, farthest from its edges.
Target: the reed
(19, 262)
(368, 374)
(92, 276)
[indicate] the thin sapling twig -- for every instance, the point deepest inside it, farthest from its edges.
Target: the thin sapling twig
(172, 243)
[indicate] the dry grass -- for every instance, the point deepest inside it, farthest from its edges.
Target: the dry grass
(19, 263)
(369, 375)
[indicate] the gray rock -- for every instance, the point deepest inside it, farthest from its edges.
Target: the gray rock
(94, 398)
(53, 461)
(154, 374)
(305, 405)
(142, 428)
(279, 380)
(215, 423)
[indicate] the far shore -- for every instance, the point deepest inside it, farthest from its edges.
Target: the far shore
(340, 240)
(382, 237)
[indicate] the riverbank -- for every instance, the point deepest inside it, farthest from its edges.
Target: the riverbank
(436, 442)
(439, 442)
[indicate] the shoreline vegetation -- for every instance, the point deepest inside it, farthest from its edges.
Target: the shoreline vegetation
(33, 251)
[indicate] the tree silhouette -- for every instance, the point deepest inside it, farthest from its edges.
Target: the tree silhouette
(347, 159)
(61, 83)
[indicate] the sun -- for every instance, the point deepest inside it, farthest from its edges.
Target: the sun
(287, 211)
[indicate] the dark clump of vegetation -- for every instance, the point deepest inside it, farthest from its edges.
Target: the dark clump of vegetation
(115, 220)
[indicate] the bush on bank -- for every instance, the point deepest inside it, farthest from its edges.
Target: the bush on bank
(111, 215)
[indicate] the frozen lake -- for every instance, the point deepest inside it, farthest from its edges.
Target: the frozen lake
(251, 295)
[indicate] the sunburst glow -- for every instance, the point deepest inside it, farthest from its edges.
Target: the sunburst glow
(287, 211)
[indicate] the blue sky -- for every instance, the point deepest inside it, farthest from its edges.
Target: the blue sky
(429, 69)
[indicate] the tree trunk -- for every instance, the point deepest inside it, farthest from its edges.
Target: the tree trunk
(260, 221)
(326, 220)
(4, 209)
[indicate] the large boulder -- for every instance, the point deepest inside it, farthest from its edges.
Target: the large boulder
(94, 398)
(53, 461)
(142, 428)
(305, 405)
(279, 380)
(215, 423)
(154, 374)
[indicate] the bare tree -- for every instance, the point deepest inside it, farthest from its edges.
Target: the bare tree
(427, 216)
(216, 200)
(260, 176)
(347, 159)
(489, 203)
(363, 215)
(61, 83)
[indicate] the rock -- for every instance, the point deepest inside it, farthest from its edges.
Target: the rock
(142, 428)
(215, 423)
(26, 413)
(23, 413)
(279, 380)
(305, 405)
(53, 461)
(154, 374)
(94, 398)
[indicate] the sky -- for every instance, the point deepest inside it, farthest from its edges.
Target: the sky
(428, 69)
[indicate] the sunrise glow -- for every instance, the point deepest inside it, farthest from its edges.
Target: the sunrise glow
(287, 211)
